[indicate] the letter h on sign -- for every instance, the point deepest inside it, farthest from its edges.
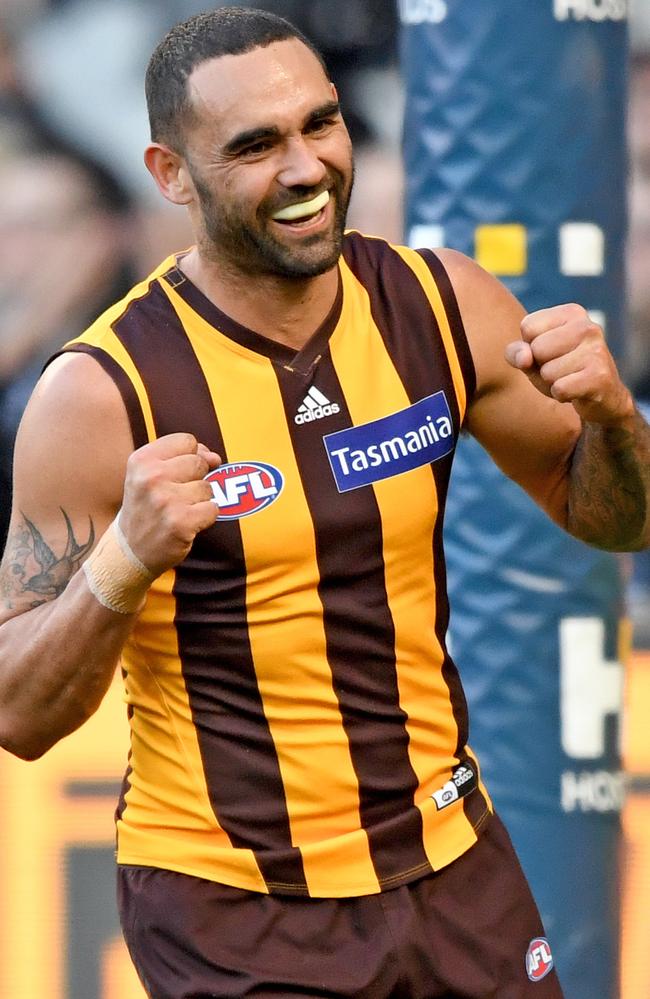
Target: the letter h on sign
(590, 687)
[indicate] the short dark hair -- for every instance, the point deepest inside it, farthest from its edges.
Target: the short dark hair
(225, 31)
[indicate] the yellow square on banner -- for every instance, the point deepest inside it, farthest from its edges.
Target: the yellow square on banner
(502, 249)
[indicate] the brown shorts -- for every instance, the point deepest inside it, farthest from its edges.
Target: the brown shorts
(470, 931)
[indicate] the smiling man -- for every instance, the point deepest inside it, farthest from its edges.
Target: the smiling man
(266, 165)
(256, 445)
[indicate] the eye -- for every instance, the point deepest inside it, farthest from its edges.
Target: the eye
(319, 124)
(256, 149)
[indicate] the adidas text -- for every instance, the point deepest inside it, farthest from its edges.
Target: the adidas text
(317, 414)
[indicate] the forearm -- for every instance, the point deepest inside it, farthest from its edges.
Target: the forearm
(58, 660)
(609, 486)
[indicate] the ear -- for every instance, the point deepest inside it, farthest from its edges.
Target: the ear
(170, 173)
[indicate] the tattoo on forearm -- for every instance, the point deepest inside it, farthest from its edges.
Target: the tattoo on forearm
(31, 567)
(610, 486)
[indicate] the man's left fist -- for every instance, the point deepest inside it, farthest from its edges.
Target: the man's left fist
(564, 354)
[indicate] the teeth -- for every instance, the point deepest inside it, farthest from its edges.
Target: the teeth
(304, 209)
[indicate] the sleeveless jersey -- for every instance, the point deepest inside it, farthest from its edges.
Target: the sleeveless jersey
(297, 723)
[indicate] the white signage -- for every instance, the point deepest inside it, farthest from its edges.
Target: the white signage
(591, 10)
(422, 11)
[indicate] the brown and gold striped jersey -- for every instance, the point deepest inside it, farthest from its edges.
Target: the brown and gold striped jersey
(297, 723)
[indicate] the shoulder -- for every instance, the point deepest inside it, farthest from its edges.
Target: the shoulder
(375, 260)
(75, 436)
(75, 387)
(490, 314)
(474, 287)
(135, 304)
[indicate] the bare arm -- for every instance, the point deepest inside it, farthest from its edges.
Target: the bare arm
(58, 645)
(58, 657)
(564, 354)
(567, 431)
(609, 502)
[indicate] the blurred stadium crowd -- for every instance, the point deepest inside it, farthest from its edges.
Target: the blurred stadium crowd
(80, 220)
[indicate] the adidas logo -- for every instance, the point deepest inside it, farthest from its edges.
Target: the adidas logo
(315, 406)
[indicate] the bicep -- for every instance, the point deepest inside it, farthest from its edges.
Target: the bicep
(70, 457)
(530, 436)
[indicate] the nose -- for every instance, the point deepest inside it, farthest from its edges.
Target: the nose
(301, 166)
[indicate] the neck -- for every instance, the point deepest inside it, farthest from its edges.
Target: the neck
(285, 310)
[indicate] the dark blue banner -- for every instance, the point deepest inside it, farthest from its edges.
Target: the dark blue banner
(515, 154)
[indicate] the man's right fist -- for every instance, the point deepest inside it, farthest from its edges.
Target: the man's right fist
(167, 500)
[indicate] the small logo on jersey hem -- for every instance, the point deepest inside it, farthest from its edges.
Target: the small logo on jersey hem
(315, 406)
(463, 780)
(242, 488)
(539, 959)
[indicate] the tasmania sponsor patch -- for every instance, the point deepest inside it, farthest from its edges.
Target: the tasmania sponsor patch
(412, 437)
(539, 960)
(243, 488)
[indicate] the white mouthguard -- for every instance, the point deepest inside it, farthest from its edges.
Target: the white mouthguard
(304, 209)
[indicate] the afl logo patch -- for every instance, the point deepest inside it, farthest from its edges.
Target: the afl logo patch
(243, 488)
(539, 960)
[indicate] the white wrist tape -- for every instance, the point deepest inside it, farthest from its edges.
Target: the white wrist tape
(115, 574)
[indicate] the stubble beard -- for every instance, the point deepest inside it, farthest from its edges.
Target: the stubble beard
(229, 239)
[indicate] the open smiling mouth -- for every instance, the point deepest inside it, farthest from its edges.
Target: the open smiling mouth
(303, 213)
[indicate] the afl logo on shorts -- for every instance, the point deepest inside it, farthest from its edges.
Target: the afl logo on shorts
(244, 488)
(539, 960)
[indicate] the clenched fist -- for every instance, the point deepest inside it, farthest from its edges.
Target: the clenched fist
(564, 354)
(167, 500)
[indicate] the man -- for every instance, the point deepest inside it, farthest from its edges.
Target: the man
(301, 814)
